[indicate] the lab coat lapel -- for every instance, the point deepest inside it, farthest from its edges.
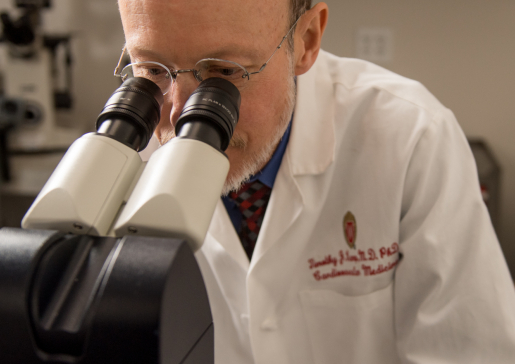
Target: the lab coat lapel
(227, 263)
(222, 231)
(284, 207)
(305, 155)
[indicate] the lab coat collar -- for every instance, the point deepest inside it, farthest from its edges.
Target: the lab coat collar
(313, 121)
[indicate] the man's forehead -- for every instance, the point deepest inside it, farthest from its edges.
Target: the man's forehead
(245, 11)
(218, 26)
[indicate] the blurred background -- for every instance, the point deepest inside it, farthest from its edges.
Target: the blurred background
(463, 51)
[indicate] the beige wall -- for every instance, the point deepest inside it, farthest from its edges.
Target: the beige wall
(464, 52)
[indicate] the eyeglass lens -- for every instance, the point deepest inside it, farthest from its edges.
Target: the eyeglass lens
(204, 69)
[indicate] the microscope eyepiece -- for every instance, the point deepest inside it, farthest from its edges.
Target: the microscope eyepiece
(211, 113)
(132, 113)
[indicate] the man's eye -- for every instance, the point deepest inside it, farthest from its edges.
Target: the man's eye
(153, 71)
(218, 68)
(227, 71)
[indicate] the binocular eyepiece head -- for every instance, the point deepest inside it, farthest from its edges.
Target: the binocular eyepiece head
(133, 111)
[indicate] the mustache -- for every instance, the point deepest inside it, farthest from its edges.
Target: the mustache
(237, 141)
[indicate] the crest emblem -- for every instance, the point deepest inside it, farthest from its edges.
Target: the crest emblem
(350, 229)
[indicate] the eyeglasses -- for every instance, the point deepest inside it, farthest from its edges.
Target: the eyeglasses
(164, 77)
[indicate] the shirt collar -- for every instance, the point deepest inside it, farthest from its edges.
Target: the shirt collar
(269, 171)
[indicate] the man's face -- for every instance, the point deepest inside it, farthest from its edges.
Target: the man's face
(178, 33)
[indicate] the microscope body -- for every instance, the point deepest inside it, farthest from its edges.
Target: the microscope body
(176, 197)
(92, 300)
(87, 188)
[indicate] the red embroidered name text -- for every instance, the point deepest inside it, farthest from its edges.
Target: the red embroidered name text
(352, 257)
(369, 271)
(336, 273)
(328, 260)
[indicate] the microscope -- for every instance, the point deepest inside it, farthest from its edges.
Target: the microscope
(103, 270)
(31, 73)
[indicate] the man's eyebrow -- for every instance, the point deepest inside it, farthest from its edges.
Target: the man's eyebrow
(147, 54)
(231, 53)
(227, 52)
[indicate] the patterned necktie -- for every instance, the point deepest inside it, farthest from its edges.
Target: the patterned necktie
(252, 199)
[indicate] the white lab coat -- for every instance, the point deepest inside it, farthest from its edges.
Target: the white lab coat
(425, 281)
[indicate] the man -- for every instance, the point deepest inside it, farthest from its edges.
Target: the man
(376, 246)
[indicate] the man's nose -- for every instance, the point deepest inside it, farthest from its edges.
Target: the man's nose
(181, 90)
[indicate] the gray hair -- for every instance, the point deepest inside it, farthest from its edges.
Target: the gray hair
(297, 9)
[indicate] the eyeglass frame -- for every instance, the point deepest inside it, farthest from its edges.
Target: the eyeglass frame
(174, 73)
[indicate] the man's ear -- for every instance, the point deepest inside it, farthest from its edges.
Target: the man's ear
(308, 37)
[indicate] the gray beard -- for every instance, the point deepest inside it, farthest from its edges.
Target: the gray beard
(253, 162)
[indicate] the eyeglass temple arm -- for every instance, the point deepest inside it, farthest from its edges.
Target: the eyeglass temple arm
(278, 47)
(117, 70)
